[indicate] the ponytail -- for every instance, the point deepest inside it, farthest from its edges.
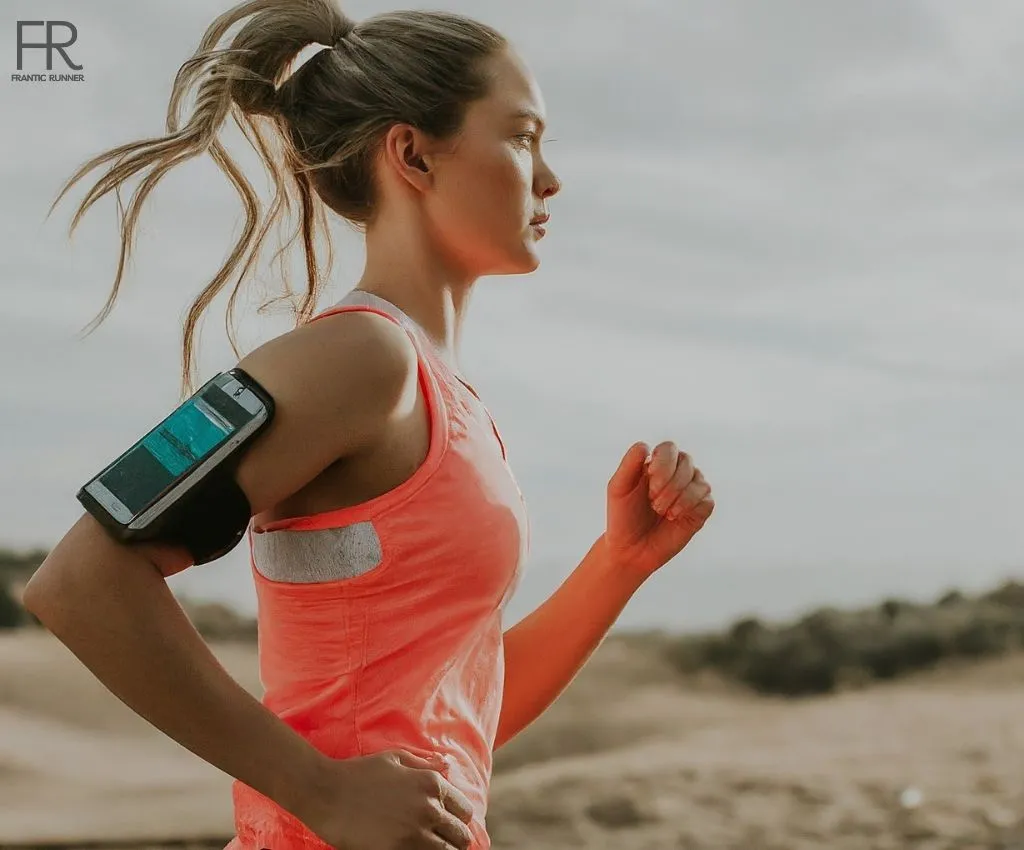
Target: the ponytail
(240, 81)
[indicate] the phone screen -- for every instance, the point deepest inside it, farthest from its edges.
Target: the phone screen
(193, 433)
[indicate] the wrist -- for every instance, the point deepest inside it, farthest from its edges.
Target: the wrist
(615, 570)
(304, 783)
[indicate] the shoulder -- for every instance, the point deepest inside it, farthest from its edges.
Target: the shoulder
(356, 359)
(338, 384)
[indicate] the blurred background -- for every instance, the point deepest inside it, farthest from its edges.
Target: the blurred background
(789, 239)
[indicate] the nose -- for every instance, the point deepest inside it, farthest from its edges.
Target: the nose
(547, 183)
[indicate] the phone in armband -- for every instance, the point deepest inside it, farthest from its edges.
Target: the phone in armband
(177, 482)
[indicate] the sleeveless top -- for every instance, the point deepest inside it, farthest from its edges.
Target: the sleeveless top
(380, 625)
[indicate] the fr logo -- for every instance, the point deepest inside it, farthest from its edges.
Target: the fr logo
(59, 41)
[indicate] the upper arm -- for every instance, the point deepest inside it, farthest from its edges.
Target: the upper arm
(336, 384)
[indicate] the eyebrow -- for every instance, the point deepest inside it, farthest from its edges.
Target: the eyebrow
(532, 116)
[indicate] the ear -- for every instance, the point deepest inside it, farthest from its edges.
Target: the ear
(406, 152)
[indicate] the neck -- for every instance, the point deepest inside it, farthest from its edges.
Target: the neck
(431, 292)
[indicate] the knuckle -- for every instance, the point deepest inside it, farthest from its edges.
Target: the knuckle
(423, 839)
(432, 782)
(428, 814)
(454, 830)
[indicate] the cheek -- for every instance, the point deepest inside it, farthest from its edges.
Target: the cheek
(491, 192)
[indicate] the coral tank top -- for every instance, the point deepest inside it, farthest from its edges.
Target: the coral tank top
(380, 625)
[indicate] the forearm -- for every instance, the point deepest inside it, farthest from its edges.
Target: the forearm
(545, 651)
(113, 610)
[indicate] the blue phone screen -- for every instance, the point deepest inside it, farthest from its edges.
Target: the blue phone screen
(174, 448)
(183, 438)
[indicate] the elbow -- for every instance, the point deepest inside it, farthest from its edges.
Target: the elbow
(40, 596)
(73, 574)
(45, 584)
(89, 575)
(34, 592)
(30, 599)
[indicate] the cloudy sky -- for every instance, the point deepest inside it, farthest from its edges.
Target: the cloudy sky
(790, 239)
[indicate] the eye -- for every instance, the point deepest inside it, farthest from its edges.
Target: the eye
(526, 138)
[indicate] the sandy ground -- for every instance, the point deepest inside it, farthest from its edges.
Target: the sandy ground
(630, 757)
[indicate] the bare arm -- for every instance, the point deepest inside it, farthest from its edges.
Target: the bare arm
(337, 384)
(545, 650)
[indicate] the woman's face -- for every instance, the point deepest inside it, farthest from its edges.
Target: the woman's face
(492, 184)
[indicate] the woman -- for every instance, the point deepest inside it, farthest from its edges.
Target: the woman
(387, 531)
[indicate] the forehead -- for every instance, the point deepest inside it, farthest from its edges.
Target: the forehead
(514, 90)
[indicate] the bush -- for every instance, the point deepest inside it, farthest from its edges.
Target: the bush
(951, 599)
(892, 608)
(989, 631)
(888, 653)
(12, 615)
(830, 649)
(793, 664)
(746, 630)
(1009, 595)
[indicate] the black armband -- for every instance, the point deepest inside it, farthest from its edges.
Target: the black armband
(210, 521)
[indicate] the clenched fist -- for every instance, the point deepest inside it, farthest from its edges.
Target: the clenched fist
(657, 502)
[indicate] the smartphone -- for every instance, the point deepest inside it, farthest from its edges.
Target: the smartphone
(137, 490)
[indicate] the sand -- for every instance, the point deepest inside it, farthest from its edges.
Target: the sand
(631, 757)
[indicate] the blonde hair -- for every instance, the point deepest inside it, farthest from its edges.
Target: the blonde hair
(316, 130)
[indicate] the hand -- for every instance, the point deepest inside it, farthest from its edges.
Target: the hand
(388, 801)
(657, 502)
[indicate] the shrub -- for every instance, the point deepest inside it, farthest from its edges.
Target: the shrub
(12, 615)
(829, 649)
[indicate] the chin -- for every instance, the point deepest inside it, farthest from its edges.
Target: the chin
(522, 263)
(526, 259)
(520, 257)
(530, 263)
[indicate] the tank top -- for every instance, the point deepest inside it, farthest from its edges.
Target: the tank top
(380, 625)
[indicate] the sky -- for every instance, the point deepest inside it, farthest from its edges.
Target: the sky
(790, 239)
